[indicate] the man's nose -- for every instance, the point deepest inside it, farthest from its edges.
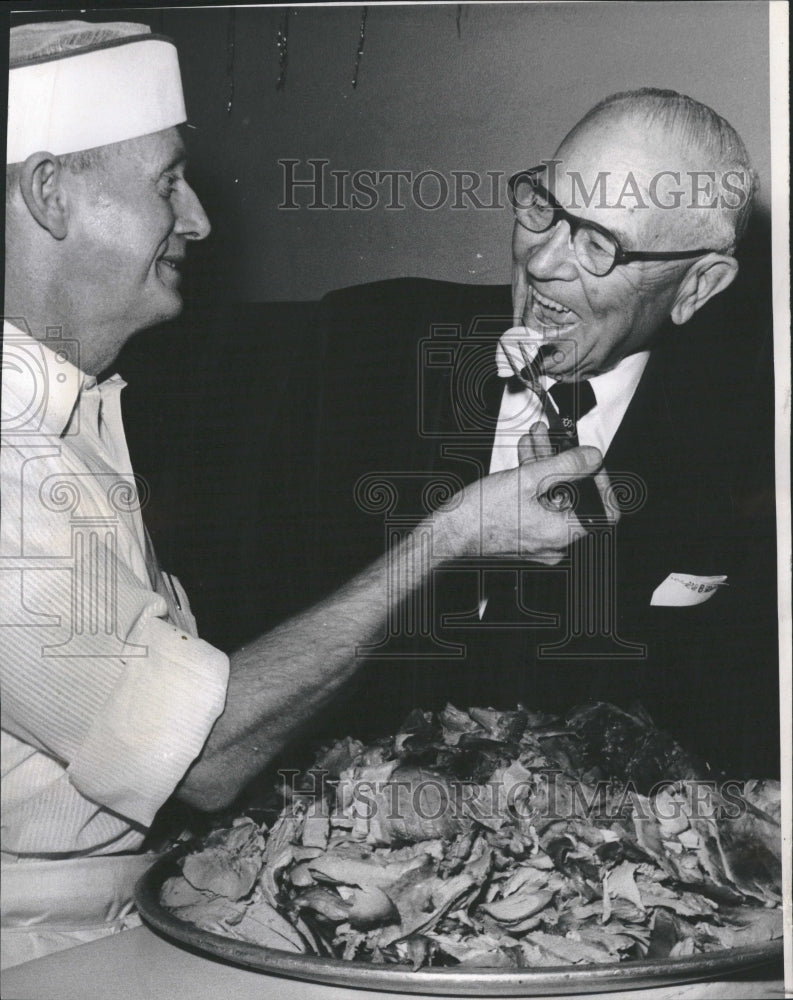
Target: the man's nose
(554, 256)
(191, 221)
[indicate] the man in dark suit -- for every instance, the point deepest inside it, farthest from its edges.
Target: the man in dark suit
(620, 253)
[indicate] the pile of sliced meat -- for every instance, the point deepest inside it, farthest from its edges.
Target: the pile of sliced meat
(498, 840)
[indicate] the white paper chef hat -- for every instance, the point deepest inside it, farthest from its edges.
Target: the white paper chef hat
(73, 85)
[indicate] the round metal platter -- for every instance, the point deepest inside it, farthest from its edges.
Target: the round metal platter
(451, 981)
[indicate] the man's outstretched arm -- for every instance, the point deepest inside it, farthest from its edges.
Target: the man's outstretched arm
(283, 678)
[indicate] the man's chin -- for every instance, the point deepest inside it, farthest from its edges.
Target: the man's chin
(172, 306)
(562, 355)
(164, 310)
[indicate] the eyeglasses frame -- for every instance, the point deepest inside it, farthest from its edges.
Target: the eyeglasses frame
(575, 222)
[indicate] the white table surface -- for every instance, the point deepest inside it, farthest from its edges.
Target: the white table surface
(140, 965)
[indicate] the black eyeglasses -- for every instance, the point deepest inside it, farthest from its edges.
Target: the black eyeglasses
(597, 250)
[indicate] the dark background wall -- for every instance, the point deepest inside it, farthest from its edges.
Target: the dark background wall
(451, 87)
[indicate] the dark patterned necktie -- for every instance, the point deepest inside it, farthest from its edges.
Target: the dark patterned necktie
(564, 405)
(570, 402)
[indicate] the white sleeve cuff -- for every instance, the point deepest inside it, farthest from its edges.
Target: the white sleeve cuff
(155, 722)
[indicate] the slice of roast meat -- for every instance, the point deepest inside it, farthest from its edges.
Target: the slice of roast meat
(627, 747)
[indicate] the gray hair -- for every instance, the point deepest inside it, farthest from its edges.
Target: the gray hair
(75, 163)
(697, 127)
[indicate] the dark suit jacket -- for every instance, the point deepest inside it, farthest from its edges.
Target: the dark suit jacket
(408, 396)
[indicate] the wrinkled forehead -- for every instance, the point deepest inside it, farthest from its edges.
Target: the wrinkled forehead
(149, 154)
(627, 153)
(166, 146)
(625, 174)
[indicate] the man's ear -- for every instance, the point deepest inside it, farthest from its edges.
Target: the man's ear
(704, 279)
(41, 185)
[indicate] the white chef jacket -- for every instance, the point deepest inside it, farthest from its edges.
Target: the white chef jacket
(108, 695)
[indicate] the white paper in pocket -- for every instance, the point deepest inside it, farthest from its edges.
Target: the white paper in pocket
(682, 590)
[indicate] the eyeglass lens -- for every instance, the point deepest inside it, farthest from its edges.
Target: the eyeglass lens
(594, 250)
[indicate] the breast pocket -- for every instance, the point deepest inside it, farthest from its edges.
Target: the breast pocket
(684, 590)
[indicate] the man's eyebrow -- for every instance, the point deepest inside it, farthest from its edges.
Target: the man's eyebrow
(179, 159)
(620, 234)
(616, 231)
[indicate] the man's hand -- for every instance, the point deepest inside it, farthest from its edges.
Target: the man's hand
(537, 444)
(510, 513)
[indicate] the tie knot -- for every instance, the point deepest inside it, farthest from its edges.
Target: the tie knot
(573, 399)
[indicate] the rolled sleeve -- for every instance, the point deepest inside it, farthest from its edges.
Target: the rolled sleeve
(155, 722)
(122, 728)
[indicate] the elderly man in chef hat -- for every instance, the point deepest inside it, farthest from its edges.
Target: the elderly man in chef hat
(98, 218)
(111, 701)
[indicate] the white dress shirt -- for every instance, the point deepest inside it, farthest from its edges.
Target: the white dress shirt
(521, 408)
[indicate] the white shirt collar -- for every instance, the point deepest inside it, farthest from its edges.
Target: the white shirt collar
(607, 386)
(41, 383)
(621, 381)
(610, 387)
(520, 409)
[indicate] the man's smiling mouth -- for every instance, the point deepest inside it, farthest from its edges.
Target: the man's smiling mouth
(548, 313)
(172, 262)
(171, 267)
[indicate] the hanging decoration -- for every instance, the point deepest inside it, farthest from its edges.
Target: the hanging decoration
(359, 51)
(230, 41)
(282, 43)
